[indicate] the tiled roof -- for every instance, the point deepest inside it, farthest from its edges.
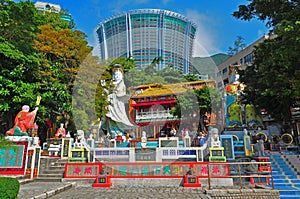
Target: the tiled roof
(168, 89)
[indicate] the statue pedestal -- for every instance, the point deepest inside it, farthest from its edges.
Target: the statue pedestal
(187, 141)
(217, 154)
(102, 181)
(263, 167)
(191, 181)
(79, 155)
(54, 150)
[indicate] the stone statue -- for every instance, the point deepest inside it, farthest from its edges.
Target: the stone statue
(23, 121)
(259, 148)
(80, 140)
(214, 138)
(144, 139)
(61, 132)
(252, 167)
(116, 101)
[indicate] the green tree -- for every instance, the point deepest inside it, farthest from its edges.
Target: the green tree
(199, 102)
(18, 57)
(63, 51)
(273, 79)
(40, 55)
(238, 46)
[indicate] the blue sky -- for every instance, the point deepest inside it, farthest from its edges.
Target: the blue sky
(217, 28)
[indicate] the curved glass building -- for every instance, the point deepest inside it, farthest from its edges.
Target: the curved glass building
(146, 34)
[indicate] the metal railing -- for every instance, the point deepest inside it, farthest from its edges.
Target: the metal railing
(240, 172)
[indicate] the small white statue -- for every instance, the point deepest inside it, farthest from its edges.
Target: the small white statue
(68, 135)
(144, 139)
(80, 141)
(214, 138)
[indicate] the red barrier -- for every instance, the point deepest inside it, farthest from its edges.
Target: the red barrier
(191, 181)
(146, 169)
(102, 181)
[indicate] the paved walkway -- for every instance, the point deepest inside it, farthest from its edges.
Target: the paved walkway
(43, 189)
(65, 190)
(118, 192)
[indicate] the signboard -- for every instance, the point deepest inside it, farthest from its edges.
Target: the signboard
(199, 155)
(66, 147)
(148, 155)
(192, 179)
(227, 144)
(142, 170)
(216, 151)
(36, 162)
(13, 159)
(81, 170)
(102, 179)
(168, 142)
(247, 145)
(30, 157)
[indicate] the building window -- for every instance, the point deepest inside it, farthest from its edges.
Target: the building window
(248, 58)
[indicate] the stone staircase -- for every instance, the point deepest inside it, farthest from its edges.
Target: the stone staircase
(285, 178)
(51, 169)
(293, 161)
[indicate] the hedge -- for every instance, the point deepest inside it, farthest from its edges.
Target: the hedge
(9, 188)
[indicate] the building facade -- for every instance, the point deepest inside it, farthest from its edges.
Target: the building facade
(226, 71)
(150, 108)
(50, 7)
(149, 34)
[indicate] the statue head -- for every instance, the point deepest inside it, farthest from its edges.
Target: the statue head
(117, 73)
(25, 108)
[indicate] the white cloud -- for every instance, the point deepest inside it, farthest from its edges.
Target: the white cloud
(205, 41)
(165, 2)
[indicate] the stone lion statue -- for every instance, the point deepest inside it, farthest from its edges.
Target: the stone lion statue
(259, 148)
(80, 140)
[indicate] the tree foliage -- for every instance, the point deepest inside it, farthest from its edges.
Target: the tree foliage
(238, 46)
(40, 55)
(198, 101)
(273, 80)
(18, 58)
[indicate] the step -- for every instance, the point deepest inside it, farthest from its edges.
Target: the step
(48, 171)
(47, 179)
(291, 181)
(289, 196)
(56, 167)
(288, 184)
(282, 176)
(25, 181)
(288, 192)
(239, 152)
(57, 175)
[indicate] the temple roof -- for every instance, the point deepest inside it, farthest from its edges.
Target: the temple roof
(167, 89)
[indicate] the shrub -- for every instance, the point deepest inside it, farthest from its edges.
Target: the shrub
(9, 188)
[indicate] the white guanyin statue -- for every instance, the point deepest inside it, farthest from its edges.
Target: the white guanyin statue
(117, 98)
